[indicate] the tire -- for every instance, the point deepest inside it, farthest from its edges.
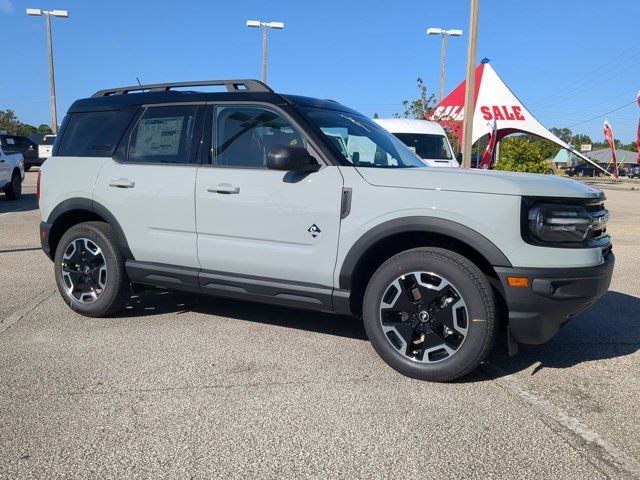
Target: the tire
(461, 285)
(90, 270)
(13, 191)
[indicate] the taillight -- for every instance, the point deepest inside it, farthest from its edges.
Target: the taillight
(38, 187)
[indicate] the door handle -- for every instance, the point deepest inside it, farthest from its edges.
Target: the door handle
(122, 183)
(225, 188)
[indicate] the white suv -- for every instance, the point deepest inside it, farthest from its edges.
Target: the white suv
(303, 202)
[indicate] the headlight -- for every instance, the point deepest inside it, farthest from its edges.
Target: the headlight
(570, 225)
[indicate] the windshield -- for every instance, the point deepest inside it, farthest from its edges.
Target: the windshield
(362, 142)
(431, 147)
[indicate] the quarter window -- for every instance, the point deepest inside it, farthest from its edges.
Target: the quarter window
(245, 134)
(89, 134)
(164, 135)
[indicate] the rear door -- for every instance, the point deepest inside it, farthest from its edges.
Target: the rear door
(149, 185)
(257, 223)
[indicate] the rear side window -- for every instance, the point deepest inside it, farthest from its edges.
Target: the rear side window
(164, 135)
(92, 134)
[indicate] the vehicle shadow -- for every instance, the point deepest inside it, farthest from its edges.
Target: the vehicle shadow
(609, 329)
(28, 202)
(158, 302)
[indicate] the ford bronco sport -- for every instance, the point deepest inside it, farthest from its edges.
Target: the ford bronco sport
(249, 194)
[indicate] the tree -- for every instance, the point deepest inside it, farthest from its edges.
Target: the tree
(420, 107)
(9, 122)
(580, 139)
(522, 154)
(563, 134)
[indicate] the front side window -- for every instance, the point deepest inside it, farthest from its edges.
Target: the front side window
(245, 134)
(164, 135)
(362, 142)
(428, 146)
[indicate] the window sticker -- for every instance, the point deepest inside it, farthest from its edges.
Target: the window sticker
(158, 136)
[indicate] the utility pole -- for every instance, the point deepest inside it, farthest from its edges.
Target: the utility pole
(52, 82)
(443, 52)
(469, 100)
(265, 26)
(264, 53)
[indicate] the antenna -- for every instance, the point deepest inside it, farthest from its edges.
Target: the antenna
(138, 80)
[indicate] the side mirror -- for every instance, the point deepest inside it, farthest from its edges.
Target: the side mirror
(291, 159)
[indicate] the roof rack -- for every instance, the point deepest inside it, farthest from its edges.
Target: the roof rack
(232, 86)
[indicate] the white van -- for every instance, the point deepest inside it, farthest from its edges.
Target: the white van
(425, 138)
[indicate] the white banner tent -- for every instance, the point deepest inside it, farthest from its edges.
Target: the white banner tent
(494, 100)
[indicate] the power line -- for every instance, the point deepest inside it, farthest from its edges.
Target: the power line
(605, 113)
(592, 72)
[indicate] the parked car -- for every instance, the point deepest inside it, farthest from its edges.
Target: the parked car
(45, 145)
(581, 170)
(247, 194)
(18, 144)
(634, 171)
(427, 139)
(11, 174)
(611, 169)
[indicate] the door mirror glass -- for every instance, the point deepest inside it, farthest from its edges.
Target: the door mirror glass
(291, 159)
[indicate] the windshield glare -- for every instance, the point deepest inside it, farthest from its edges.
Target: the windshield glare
(362, 142)
(428, 146)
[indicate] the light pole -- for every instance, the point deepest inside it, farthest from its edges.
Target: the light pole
(469, 100)
(443, 52)
(52, 83)
(265, 26)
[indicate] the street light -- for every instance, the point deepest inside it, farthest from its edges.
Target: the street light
(265, 26)
(469, 98)
(443, 53)
(36, 12)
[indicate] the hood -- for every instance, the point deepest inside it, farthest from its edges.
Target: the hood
(478, 181)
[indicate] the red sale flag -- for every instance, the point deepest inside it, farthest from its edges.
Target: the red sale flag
(608, 135)
(638, 140)
(487, 156)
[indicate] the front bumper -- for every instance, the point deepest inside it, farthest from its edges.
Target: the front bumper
(553, 296)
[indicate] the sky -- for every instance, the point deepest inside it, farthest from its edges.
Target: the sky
(566, 60)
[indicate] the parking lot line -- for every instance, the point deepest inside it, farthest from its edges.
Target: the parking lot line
(16, 316)
(619, 458)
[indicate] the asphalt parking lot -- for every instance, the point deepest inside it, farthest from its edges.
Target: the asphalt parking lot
(182, 386)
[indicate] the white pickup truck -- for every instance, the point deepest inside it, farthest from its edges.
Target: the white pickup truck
(11, 174)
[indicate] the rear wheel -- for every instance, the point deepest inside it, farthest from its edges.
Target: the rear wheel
(429, 313)
(90, 271)
(13, 191)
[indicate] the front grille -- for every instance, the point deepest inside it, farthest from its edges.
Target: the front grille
(600, 216)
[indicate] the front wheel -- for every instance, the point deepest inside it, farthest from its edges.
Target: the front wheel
(90, 271)
(430, 314)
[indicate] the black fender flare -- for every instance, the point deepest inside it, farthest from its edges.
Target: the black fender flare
(81, 203)
(441, 226)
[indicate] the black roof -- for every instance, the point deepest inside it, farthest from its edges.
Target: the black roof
(252, 90)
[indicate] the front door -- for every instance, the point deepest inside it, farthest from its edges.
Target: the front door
(149, 188)
(256, 222)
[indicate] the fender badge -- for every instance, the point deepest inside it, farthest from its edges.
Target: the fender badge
(314, 230)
